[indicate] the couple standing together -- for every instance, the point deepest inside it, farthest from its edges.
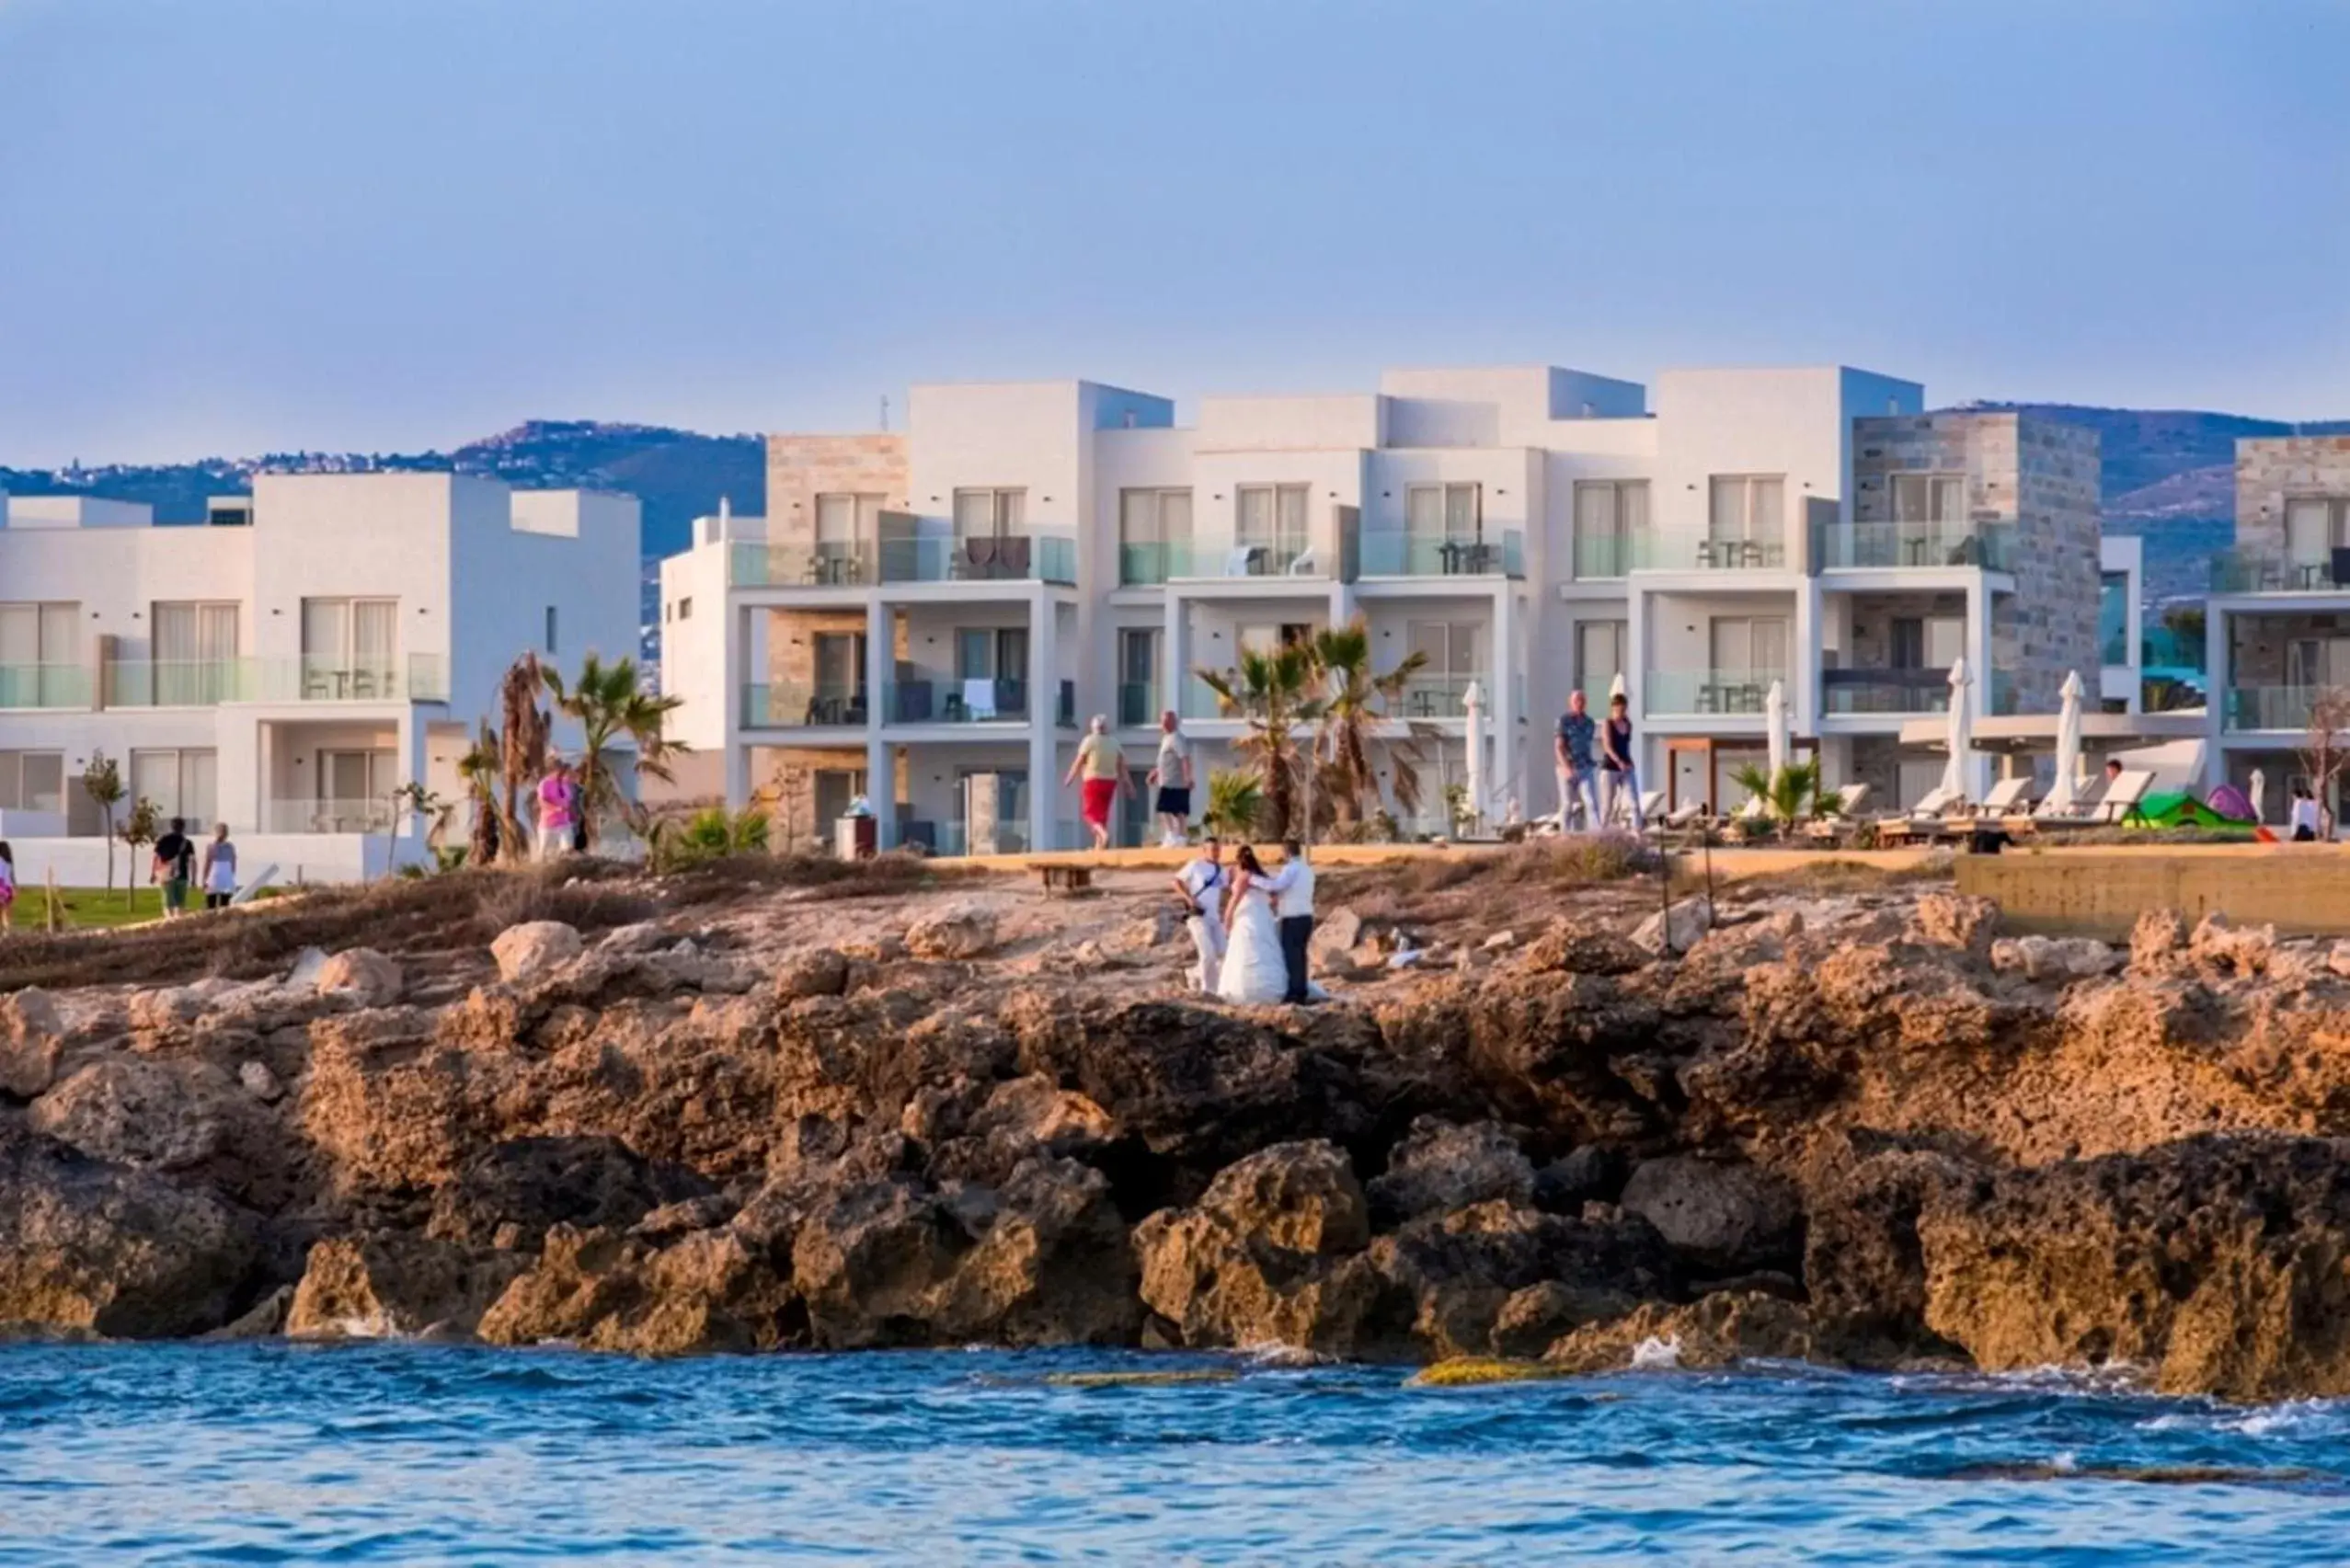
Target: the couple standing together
(1251, 926)
(1599, 784)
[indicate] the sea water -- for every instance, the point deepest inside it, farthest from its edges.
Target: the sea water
(399, 1453)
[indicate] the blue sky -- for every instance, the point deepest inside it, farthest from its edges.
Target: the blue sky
(231, 226)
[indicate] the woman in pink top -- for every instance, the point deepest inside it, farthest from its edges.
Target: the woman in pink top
(558, 808)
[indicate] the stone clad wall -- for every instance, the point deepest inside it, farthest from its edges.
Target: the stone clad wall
(800, 468)
(2271, 468)
(2038, 475)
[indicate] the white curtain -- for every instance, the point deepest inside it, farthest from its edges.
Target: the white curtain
(1292, 517)
(375, 639)
(19, 633)
(2306, 534)
(1461, 511)
(1175, 516)
(199, 787)
(1254, 521)
(326, 632)
(1424, 511)
(1728, 516)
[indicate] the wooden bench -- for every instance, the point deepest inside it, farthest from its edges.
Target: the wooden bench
(1063, 877)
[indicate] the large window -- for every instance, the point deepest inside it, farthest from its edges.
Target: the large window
(1271, 518)
(1599, 655)
(349, 646)
(1154, 534)
(32, 781)
(40, 662)
(1443, 512)
(182, 784)
(839, 663)
(1610, 520)
(843, 518)
(1138, 676)
(2113, 617)
(2315, 526)
(1748, 645)
(1748, 507)
(988, 514)
(1927, 642)
(195, 652)
(1930, 498)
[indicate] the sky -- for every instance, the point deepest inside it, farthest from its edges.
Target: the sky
(244, 225)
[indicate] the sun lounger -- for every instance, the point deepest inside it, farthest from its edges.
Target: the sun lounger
(2117, 803)
(2008, 797)
(1930, 817)
(1830, 825)
(1652, 805)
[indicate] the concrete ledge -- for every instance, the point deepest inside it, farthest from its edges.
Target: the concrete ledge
(2301, 889)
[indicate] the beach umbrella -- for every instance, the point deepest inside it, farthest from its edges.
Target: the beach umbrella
(1615, 687)
(1472, 702)
(1775, 716)
(2062, 794)
(2259, 787)
(1954, 773)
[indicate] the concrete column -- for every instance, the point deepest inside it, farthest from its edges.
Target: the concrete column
(1654, 770)
(1805, 676)
(1174, 653)
(1977, 771)
(1044, 700)
(732, 665)
(1501, 700)
(880, 766)
(2220, 675)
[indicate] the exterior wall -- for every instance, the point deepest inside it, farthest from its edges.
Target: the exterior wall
(695, 619)
(785, 782)
(800, 468)
(581, 557)
(2270, 469)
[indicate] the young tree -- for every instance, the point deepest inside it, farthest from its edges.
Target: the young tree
(480, 768)
(1235, 803)
(102, 782)
(1272, 691)
(141, 826)
(607, 704)
(788, 782)
(2324, 751)
(1355, 712)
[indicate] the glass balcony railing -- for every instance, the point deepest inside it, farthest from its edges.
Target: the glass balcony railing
(999, 557)
(830, 564)
(168, 683)
(2269, 707)
(777, 704)
(1885, 691)
(2262, 571)
(327, 816)
(44, 686)
(1138, 703)
(1443, 696)
(980, 701)
(176, 683)
(2003, 697)
(1433, 555)
(1991, 545)
(1245, 558)
(1685, 553)
(1612, 554)
(2163, 648)
(1694, 691)
(1148, 563)
(1199, 701)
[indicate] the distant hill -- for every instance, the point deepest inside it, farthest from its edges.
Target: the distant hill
(678, 476)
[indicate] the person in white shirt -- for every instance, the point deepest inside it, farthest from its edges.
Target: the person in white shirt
(1171, 781)
(1200, 886)
(2308, 823)
(1293, 890)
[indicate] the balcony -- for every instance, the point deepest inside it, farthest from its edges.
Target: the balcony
(846, 563)
(44, 686)
(1138, 703)
(1243, 559)
(175, 683)
(1150, 563)
(795, 703)
(977, 701)
(1849, 546)
(327, 816)
(2262, 571)
(1885, 691)
(1612, 554)
(1682, 553)
(2269, 707)
(1742, 692)
(1435, 555)
(1002, 557)
(1443, 697)
(339, 678)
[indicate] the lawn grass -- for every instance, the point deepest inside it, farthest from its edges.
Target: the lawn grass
(92, 909)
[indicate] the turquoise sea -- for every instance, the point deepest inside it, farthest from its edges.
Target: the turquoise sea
(383, 1453)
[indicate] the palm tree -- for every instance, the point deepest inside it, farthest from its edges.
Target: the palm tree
(1271, 690)
(1791, 792)
(1235, 801)
(479, 768)
(521, 753)
(1354, 713)
(609, 704)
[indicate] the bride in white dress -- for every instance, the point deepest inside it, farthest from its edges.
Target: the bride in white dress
(1252, 969)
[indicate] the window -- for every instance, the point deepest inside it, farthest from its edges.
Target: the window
(181, 784)
(2113, 617)
(1272, 518)
(984, 514)
(40, 634)
(1598, 655)
(1270, 638)
(195, 651)
(1749, 507)
(1153, 534)
(844, 519)
(1746, 645)
(1454, 648)
(839, 663)
(1926, 642)
(350, 634)
(834, 789)
(550, 628)
(357, 780)
(32, 781)
(1611, 522)
(1138, 676)
(685, 608)
(1443, 512)
(1929, 498)
(2315, 526)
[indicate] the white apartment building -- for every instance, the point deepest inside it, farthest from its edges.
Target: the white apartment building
(288, 668)
(920, 610)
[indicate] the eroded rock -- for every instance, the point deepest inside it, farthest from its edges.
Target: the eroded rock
(533, 948)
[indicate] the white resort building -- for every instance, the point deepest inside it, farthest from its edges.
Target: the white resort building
(920, 610)
(289, 666)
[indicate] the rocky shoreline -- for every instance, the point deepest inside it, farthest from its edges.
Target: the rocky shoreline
(1857, 1128)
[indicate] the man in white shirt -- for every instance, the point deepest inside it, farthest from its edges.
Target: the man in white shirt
(1171, 781)
(1200, 885)
(1293, 890)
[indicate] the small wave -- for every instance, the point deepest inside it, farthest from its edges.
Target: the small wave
(1653, 1354)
